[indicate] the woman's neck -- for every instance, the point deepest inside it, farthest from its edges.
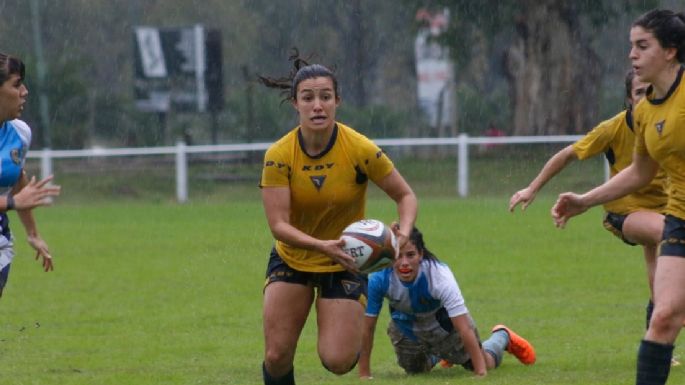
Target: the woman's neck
(665, 80)
(316, 141)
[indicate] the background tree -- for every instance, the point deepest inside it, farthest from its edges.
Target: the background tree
(548, 56)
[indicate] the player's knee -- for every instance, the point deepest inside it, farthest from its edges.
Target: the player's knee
(664, 320)
(278, 361)
(414, 365)
(340, 366)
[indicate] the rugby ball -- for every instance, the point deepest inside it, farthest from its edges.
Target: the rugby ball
(371, 243)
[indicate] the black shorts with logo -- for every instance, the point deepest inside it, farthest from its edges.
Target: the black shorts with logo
(614, 223)
(339, 284)
(673, 239)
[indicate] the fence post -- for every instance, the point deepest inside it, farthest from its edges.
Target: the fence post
(463, 166)
(45, 163)
(181, 172)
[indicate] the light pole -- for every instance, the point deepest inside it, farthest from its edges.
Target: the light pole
(40, 67)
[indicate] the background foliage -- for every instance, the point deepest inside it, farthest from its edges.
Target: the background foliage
(88, 49)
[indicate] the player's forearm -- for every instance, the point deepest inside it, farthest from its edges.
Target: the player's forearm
(367, 346)
(625, 182)
(552, 167)
(407, 208)
(28, 221)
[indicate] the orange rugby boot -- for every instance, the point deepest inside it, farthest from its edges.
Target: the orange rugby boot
(518, 346)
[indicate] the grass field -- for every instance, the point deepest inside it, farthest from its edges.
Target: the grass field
(159, 293)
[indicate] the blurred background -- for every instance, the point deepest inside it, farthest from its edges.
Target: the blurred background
(147, 73)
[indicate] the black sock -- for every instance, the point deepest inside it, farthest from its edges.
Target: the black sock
(650, 310)
(653, 363)
(288, 379)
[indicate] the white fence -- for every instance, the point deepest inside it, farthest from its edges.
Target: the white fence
(462, 142)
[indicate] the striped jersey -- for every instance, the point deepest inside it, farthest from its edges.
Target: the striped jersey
(415, 307)
(15, 139)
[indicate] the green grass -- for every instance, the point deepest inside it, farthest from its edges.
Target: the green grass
(159, 293)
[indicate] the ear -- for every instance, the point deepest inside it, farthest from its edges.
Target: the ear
(293, 102)
(671, 53)
(337, 100)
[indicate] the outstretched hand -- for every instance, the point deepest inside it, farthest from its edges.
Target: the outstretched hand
(525, 196)
(41, 248)
(36, 193)
(567, 206)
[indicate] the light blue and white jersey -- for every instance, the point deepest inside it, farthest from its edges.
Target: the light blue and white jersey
(415, 306)
(15, 139)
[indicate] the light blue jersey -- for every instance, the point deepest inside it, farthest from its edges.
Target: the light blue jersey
(15, 139)
(415, 307)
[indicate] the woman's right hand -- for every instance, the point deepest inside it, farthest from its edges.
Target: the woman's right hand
(35, 193)
(333, 248)
(567, 206)
(525, 196)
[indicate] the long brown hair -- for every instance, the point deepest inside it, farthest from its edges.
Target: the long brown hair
(302, 70)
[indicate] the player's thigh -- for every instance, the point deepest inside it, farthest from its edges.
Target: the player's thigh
(340, 324)
(644, 227)
(286, 307)
(412, 355)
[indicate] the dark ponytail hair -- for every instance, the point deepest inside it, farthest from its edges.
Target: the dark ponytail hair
(302, 70)
(630, 75)
(10, 65)
(668, 28)
(416, 237)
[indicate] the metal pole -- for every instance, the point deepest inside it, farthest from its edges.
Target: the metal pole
(463, 166)
(45, 163)
(41, 71)
(181, 172)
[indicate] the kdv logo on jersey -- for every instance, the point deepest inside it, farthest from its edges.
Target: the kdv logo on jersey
(318, 181)
(660, 126)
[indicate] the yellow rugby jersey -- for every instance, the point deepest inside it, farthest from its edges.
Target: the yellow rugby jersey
(327, 191)
(660, 129)
(616, 139)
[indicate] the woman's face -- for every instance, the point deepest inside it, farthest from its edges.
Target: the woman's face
(13, 94)
(406, 265)
(316, 103)
(637, 90)
(647, 55)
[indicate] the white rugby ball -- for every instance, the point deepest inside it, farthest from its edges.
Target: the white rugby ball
(371, 243)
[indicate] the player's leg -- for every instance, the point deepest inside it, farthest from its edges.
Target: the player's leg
(656, 350)
(494, 347)
(4, 275)
(518, 346)
(644, 228)
(286, 307)
(287, 301)
(445, 342)
(340, 314)
(412, 356)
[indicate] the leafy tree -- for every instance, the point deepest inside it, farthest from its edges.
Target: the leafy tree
(547, 53)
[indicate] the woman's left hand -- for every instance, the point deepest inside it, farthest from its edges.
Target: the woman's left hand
(41, 248)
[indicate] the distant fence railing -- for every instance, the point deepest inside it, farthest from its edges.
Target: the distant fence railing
(181, 150)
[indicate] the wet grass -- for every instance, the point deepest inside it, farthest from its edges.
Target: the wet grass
(161, 293)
